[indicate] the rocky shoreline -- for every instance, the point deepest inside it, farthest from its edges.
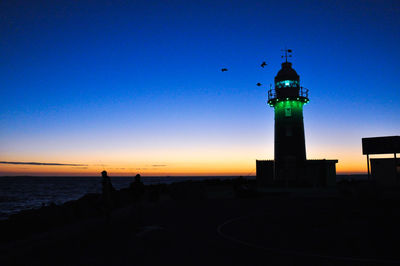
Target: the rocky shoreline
(211, 222)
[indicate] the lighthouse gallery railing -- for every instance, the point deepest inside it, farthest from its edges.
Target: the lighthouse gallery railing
(303, 92)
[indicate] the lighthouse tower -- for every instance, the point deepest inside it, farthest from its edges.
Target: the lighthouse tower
(290, 166)
(288, 99)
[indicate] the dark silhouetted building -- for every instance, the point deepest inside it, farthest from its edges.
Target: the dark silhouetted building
(291, 167)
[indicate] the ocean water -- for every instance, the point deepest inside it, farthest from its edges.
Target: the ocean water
(20, 193)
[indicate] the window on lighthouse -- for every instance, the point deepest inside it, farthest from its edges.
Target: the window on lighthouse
(288, 111)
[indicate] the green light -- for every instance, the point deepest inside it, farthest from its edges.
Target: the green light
(288, 109)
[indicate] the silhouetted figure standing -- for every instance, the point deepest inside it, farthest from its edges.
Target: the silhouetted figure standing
(137, 188)
(107, 190)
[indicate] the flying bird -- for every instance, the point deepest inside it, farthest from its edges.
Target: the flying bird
(224, 69)
(258, 84)
(263, 64)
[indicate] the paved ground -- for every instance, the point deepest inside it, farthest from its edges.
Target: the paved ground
(260, 231)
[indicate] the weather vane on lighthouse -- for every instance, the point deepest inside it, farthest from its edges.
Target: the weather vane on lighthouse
(288, 53)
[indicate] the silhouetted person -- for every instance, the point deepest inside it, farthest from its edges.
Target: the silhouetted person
(137, 188)
(107, 190)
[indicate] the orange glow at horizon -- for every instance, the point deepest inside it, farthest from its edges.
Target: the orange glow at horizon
(346, 165)
(185, 161)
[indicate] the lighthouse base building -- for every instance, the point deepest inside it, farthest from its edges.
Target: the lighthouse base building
(314, 173)
(290, 166)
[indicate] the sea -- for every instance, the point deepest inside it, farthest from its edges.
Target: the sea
(29, 192)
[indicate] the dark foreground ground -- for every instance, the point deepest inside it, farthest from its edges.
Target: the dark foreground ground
(275, 228)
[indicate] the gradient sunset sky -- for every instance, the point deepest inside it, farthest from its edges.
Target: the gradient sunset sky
(136, 87)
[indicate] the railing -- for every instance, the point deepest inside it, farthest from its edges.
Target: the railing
(303, 92)
(271, 94)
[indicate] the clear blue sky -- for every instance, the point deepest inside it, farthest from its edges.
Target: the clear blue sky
(133, 84)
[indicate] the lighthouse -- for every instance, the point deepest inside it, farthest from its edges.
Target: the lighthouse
(290, 166)
(288, 99)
